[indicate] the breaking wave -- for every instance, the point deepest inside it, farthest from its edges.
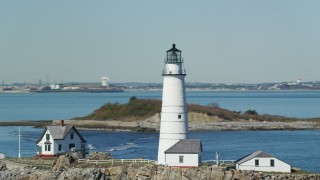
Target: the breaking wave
(90, 146)
(122, 147)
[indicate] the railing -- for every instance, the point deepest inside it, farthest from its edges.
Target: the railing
(117, 161)
(135, 161)
(211, 162)
(178, 72)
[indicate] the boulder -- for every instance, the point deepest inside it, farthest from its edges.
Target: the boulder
(62, 163)
(162, 173)
(217, 173)
(191, 173)
(205, 173)
(146, 172)
(83, 174)
(117, 172)
(3, 166)
(175, 173)
(228, 175)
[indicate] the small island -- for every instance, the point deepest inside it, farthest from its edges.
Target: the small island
(144, 115)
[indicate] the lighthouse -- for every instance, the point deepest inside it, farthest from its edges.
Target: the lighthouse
(174, 114)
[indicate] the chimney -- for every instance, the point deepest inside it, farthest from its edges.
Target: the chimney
(62, 122)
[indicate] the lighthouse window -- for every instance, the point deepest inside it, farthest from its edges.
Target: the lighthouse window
(256, 162)
(272, 163)
(179, 116)
(180, 159)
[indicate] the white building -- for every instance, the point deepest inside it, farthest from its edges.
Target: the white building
(185, 153)
(2, 155)
(105, 82)
(261, 161)
(174, 114)
(56, 140)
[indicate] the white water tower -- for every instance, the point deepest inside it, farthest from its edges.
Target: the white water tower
(105, 82)
(174, 114)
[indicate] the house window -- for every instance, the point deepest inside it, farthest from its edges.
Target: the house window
(272, 163)
(179, 116)
(59, 147)
(47, 137)
(71, 146)
(47, 147)
(71, 136)
(180, 159)
(256, 162)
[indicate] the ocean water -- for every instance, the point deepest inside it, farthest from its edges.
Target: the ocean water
(48, 106)
(299, 148)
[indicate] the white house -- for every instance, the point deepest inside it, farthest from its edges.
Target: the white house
(2, 155)
(185, 153)
(261, 161)
(60, 139)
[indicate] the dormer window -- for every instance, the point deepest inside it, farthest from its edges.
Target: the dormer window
(71, 136)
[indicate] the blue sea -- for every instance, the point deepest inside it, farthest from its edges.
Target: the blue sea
(298, 148)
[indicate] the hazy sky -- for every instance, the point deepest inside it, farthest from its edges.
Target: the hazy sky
(239, 41)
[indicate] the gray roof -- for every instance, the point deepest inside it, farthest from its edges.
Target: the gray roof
(255, 154)
(186, 146)
(60, 132)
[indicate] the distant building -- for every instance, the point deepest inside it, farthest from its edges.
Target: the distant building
(185, 153)
(2, 155)
(261, 161)
(105, 82)
(60, 139)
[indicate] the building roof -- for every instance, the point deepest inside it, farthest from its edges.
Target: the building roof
(60, 132)
(186, 146)
(255, 154)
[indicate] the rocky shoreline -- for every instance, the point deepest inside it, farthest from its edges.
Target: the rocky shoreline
(197, 122)
(64, 169)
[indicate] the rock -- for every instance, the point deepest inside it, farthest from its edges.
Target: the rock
(162, 173)
(117, 172)
(228, 175)
(191, 173)
(217, 173)
(205, 173)
(99, 156)
(62, 163)
(175, 173)
(3, 166)
(142, 172)
(146, 172)
(83, 174)
(42, 175)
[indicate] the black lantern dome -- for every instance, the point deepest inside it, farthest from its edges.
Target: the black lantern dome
(173, 55)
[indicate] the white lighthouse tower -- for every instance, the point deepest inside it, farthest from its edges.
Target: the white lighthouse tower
(174, 114)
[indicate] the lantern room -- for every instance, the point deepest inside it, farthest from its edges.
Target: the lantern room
(173, 55)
